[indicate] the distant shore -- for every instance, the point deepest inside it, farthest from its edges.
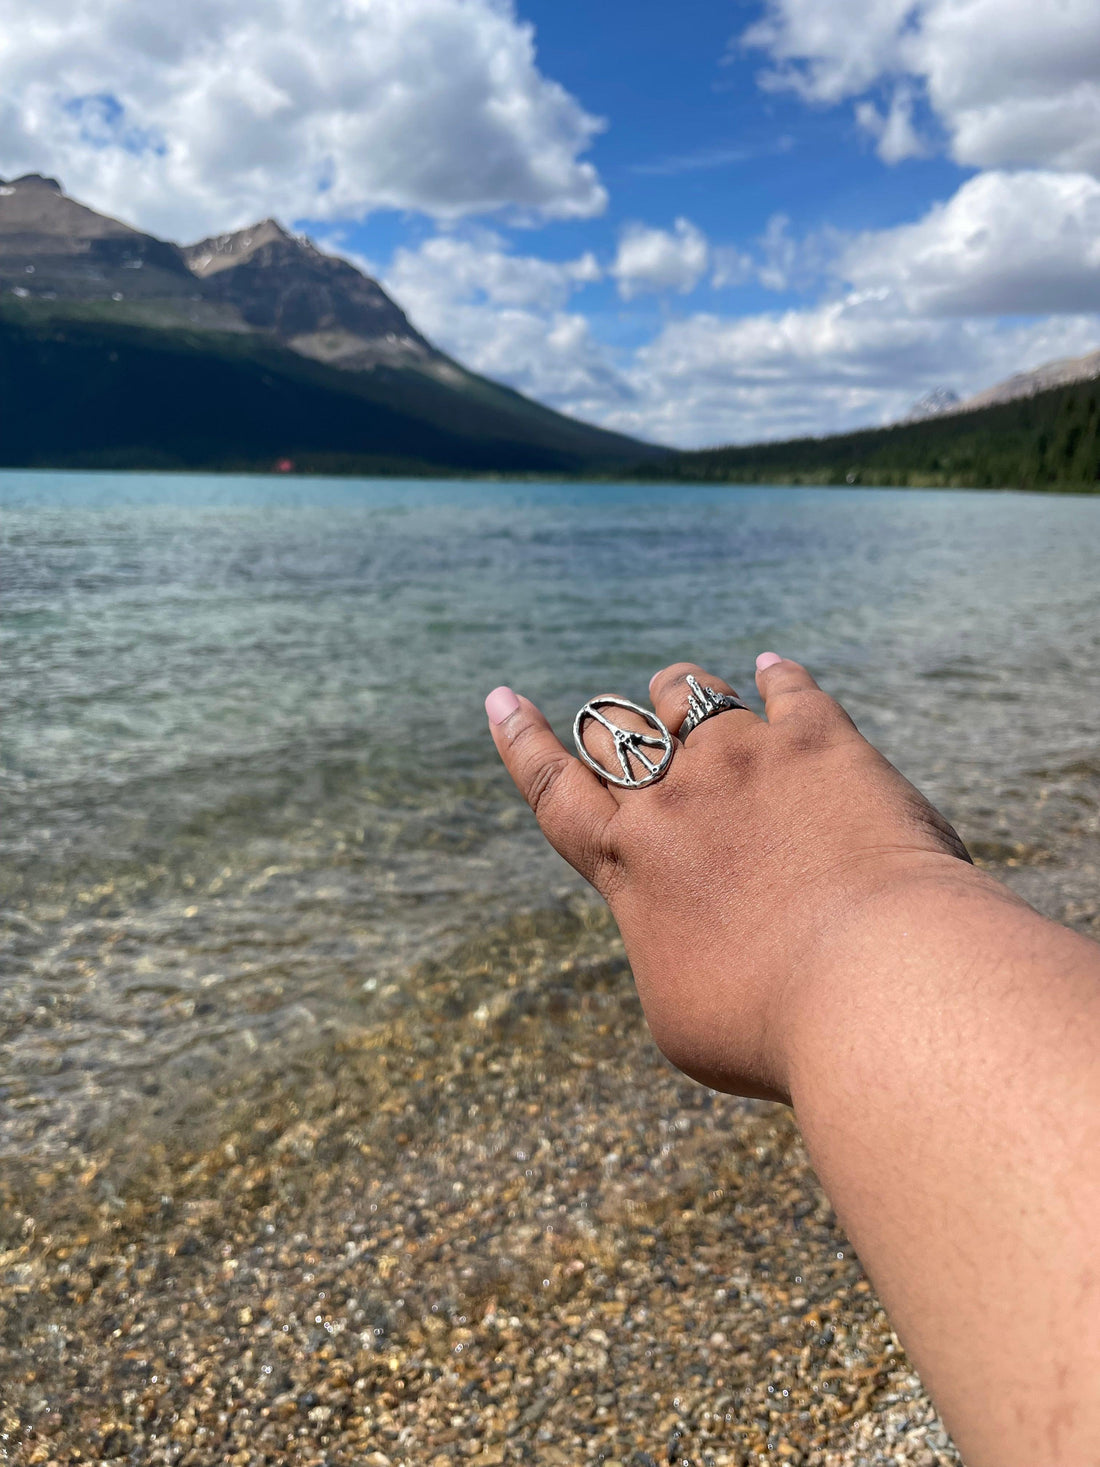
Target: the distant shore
(222, 402)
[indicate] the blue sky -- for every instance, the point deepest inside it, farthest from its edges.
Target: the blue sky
(707, 222)
(689, 133)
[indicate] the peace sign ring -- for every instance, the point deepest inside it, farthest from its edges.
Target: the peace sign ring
(629, 743)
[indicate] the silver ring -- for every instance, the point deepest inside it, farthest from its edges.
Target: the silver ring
(629, 744)
(704, 703)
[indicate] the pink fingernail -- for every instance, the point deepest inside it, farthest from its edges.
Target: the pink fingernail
(767, 659)
(501, 704)
(652, 680)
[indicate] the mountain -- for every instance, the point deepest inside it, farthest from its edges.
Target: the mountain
(1049, 440)
(55, 249)
(111, 342)
(319, 305)
(1060, 373)
(1026, 384)
(933, 404)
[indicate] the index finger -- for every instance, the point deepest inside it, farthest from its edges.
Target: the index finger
(572, 807)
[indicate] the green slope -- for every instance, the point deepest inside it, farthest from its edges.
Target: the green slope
(1049, 441)
(78, 389)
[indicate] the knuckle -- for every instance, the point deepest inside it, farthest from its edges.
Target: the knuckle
(818, 718)
(541, 789)
(523, 738)
(668, 677)
(609, 872)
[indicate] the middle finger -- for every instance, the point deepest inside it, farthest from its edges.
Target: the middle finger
(673, 695)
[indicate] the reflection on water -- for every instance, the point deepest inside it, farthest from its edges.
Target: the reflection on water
(246, 782)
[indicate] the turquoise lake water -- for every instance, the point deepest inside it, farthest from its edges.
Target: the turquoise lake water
(246, 781)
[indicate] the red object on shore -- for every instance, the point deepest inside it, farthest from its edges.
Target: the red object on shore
(285, 466)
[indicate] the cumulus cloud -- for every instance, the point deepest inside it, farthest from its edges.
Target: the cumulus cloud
(951, 299)
(481, 268)
(778, 259)
(1012, 82)
(914, 307)
(195, 118)
(827, 50)
(911, 308)
(660, 259)
(846, 364)
(862, 358)
(1005, 244)
(1017, 83)
(505, 315)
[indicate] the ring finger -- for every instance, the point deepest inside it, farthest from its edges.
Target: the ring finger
(674, 697)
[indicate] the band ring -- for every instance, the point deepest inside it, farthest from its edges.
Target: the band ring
(704, 703)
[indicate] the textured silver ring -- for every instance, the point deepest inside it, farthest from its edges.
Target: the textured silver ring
(704, 703)
(630, 745)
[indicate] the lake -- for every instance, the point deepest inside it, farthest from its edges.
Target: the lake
(246, 781)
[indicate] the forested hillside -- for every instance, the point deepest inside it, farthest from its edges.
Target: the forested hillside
(85, 392)
(1048, 441)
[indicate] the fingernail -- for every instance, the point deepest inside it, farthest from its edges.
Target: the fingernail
(767, 659)
(652, 680)
(501, 704)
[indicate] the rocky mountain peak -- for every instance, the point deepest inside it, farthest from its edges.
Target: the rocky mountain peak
(54, 248)
(933, 404)
(37, 207)
(260, 278)
(221, 251)
(321, 305)
(32, 180)
(1058, 373)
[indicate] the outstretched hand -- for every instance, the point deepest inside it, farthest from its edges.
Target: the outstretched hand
(730, 877)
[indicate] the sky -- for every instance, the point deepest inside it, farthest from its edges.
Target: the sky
(706, 222)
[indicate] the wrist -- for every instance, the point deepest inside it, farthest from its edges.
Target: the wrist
(895, 944)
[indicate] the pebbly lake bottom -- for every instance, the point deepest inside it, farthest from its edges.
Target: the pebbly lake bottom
(498, 1229)
(332, 1129)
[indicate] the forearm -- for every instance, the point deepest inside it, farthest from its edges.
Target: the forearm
(938, 1058)
(803, 925)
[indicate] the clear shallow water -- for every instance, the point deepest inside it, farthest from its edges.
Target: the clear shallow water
(246, 783)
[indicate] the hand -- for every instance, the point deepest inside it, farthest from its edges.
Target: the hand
(741, 870)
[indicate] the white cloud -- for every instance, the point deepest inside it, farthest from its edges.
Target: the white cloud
(660, 259)
(782, 257)
(504, 315)
(1017, 82)
(920, 305)
(780, 260)
(1005, 244)
(704, 160)
(846, 364)
(917, 306)
(201, 117)
(896, 135)
(481, 269)
(861, 359)
(1013, 82)
(935, 302)
(827, 50)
